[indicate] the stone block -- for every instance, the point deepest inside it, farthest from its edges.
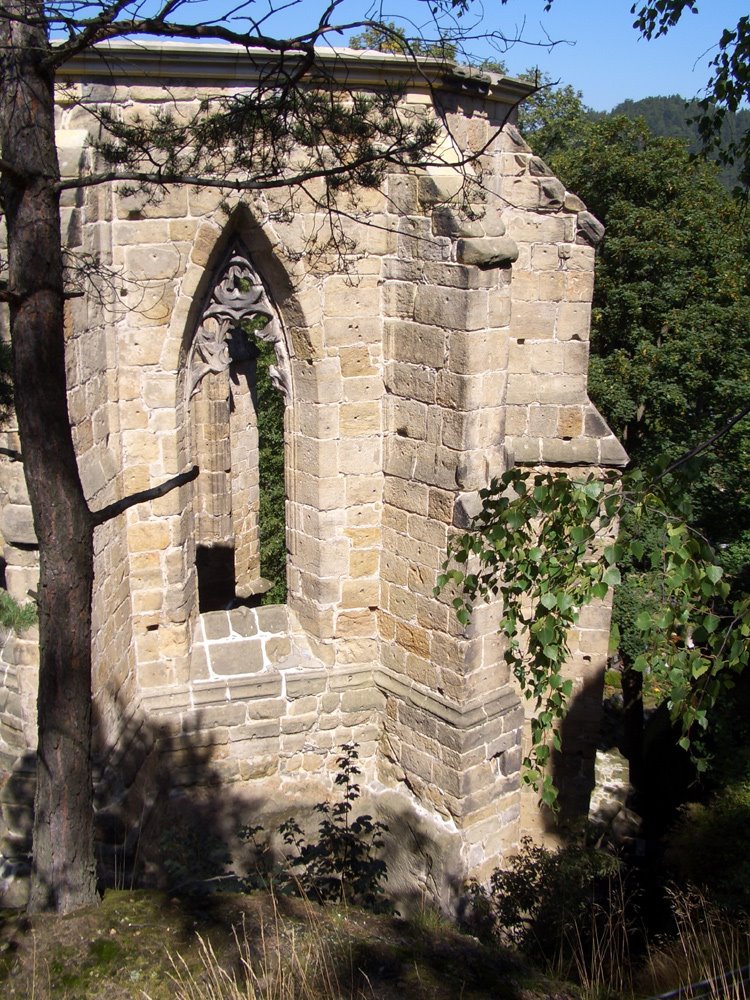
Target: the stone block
(278, 649)
(273, 618)
(440, 188)
(17, 525)
(149, 536)
(343, 298)
(551, 194)
(364, 389)
(611, 452)
(546, 358)
(416, 241)
(407, 496)
(401, 193)
(356, 361)
(569, 422)
(490, 252)
(352, 331)
(215, 624)
(318, 381)
(152, 263)
(361, 418)
(588, 229)
(240, 656)
(477, 352)
(458, 275)
(533, 320)
(360, 593)
(451, 309)
(448, 220)
(243, 621)
(413, 381)
(573, 321)
(416, 344)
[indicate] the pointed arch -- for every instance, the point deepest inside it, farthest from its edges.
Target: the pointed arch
(223, 373)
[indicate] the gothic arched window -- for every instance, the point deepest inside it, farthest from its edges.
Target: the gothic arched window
(227, 368)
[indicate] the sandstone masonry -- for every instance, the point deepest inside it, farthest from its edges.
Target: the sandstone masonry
(455, 344)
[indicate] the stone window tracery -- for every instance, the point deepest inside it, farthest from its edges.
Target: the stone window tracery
(222, 372)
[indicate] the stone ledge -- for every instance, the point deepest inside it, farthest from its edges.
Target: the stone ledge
(466, 717)
(174, 699)
(597, 446)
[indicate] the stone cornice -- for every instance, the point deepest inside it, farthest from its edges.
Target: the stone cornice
(206, 64)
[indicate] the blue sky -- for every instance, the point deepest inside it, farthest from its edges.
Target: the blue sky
(600, 53)
(607, 60)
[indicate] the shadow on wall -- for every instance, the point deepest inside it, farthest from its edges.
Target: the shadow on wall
(573, 768)
(167, 818)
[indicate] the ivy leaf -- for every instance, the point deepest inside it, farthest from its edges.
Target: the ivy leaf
(612, 576)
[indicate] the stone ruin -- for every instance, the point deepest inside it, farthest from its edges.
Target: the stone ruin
(453, 344)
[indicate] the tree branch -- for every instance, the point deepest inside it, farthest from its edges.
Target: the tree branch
(101, 30)
(113, 509)
(226, 184)
(705, 444)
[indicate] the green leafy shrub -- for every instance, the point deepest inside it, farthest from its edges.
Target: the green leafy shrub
(549, 904)
(343, 864)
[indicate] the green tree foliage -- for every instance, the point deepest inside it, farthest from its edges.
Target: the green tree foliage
(548, 903)
(675, 118)
(728, 86)
(552, 115)
(543, 545)
(343, 865)
(389, 37)
(14, 616)
(271, 518)
(672, 297)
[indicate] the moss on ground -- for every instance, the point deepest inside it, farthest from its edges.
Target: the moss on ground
(121, 950)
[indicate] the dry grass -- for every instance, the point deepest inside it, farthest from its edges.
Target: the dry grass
(709, 943)
(283, 948)
(284, 963)
(602, 952)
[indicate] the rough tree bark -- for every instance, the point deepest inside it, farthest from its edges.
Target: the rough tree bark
(64, 872)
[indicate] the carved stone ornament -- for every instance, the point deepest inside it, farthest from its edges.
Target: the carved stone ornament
(238, 295)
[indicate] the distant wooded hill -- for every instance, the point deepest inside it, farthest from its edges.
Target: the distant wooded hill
(671, 116)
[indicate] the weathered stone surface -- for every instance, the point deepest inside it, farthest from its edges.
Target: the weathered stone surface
(551, 194)
(243, 621)
(273, 618)
(588, 229)
(410, 380)
(489, 252)
(538, 168)
(448, 221)
(17, 525)
(243, 656)
(216, 624)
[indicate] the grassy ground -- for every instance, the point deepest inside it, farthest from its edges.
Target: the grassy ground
(147, 945)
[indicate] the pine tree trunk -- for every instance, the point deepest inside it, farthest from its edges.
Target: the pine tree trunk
(63, 873)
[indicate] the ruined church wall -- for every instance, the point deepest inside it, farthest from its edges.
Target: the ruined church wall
(454, 345)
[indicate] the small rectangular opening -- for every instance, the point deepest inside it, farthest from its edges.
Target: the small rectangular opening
(216, 581)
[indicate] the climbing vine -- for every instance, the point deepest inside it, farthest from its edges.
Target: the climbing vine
(547, 544)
